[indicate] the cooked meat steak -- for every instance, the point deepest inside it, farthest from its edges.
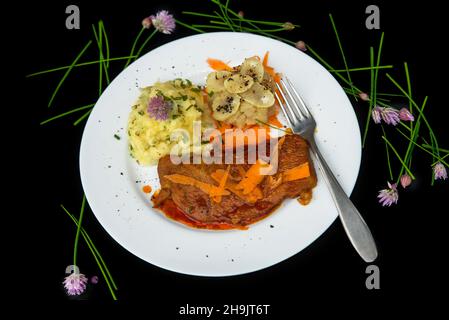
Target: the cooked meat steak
(233, 210)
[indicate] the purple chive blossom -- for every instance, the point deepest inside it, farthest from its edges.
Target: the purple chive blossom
(376, 114)
(163, 21)
(146, 23)
(406, 180)
(388, 196)
(301, 45)
(75, 283)
(405, 115)
(158, 108)
(390, 116)
(364, 96)
(440, 171)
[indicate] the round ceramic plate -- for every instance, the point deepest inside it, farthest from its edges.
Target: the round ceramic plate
(113, 181)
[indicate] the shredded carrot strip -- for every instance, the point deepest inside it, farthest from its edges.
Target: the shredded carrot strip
(242, 171)
(221, 185)
(265, 59)
(300, 172)
(274, 121)
(223, 126)
(218, 65)
(252, 177)
(251, 197)
(205, 187)
(270, 70)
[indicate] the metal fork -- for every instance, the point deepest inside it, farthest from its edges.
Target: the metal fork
(303, 123)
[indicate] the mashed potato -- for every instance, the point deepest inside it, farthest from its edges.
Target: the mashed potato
(149, 138)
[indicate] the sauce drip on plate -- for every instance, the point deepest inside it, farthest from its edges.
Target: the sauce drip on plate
(169, 208)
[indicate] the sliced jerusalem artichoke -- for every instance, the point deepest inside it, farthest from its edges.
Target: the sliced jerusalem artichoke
(259, 96)
(225, 105)
(248, 109)
(215, 81)
(238, 83)
(248, 114)
(239, 120)
(261, 114)
(268, 82)
(252, 67)
(244, 116)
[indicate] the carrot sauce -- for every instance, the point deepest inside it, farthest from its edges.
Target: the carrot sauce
(169, 208)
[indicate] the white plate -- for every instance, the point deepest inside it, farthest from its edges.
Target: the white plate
(112, 180)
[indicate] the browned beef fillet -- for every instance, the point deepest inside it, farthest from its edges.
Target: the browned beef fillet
(198, 205)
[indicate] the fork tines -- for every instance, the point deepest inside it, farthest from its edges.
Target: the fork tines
(293, 106)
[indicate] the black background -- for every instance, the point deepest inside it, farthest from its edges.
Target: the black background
(410, 236)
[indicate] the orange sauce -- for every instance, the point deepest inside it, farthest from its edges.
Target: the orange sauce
(169, 208)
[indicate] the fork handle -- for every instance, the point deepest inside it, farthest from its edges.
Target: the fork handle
(353, 223)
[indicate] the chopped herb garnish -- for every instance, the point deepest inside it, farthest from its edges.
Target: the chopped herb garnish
(141, 112)
(210, 94)
(117, 136)
(161, 94)
(271, 126)
(196, 90)
(181, 97)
